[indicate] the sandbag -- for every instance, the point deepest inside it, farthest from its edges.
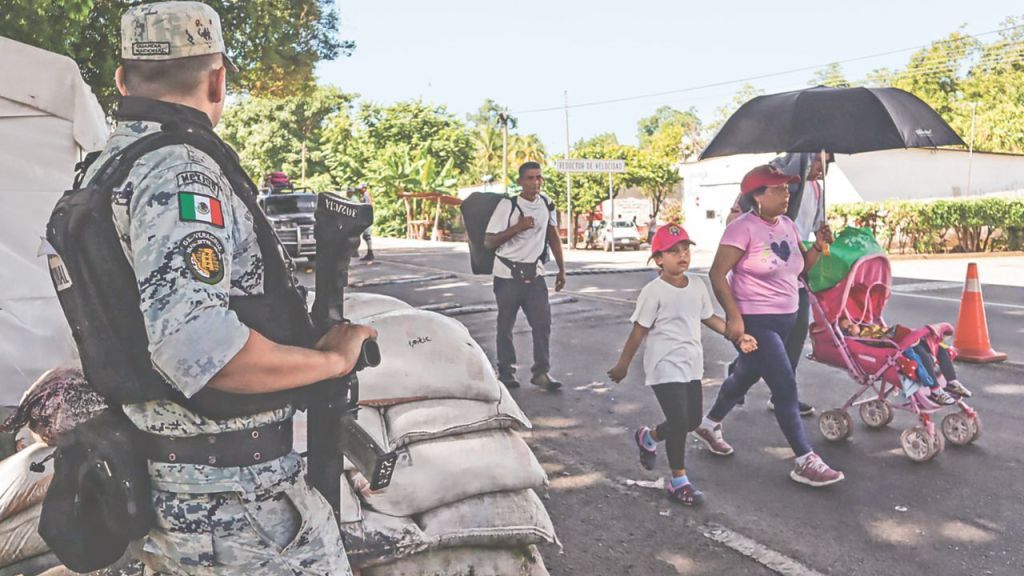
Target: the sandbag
(45, 564)
(429, 419)
(19, 536)
(20, 487)
(380, 538)
(502, 519)
(446, 470)
(426, 355)
(362, 305)
(466, 562)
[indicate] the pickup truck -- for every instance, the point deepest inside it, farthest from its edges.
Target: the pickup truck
(291, 215)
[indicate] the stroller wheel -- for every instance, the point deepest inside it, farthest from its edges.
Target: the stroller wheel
(918, 445)
(835, 425)
(876, 413)
(961, 429)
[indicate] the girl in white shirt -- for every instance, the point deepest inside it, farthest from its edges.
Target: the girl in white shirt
(668, 314)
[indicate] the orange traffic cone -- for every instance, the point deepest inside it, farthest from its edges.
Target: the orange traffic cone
(971, 341)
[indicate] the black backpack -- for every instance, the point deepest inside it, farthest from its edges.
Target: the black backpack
(476, 210)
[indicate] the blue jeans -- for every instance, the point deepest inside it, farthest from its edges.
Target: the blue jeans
(771, 362)
(532, 297)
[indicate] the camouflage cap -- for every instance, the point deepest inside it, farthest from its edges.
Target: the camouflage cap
(170, 30)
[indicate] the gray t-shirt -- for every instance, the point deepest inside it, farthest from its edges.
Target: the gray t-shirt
(811, 213)
(528, 245)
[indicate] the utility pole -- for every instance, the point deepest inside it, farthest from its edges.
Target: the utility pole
(503, 119)
(570, 237)
(970, 152)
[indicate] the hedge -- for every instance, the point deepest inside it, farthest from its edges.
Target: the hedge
(928, 227)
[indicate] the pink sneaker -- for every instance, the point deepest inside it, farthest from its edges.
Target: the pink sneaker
(815, 472)
(712, 438)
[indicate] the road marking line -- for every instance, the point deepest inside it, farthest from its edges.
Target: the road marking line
(776, 561)
(401, 280)
(957, 300)
(925, 286)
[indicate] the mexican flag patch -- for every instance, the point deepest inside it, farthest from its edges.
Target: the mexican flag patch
(200, 208)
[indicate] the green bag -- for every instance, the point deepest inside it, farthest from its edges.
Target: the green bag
(851, 244)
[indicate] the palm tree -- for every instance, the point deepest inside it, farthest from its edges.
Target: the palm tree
(525, 148)
(487, 159)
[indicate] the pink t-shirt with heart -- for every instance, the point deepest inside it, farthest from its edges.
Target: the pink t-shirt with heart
(765, 280)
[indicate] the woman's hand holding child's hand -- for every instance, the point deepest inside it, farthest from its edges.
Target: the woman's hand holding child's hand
(747, 343)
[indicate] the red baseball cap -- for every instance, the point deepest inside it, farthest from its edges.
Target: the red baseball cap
(765, 175)
(668, 236)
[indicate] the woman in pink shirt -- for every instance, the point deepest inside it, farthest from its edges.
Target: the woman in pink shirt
(755, 277)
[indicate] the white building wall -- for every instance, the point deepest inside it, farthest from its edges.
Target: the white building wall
(923, 173)
(710, 186)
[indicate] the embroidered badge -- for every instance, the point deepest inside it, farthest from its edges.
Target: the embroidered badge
(193, 177)
(200, 208)
(151, 48)
(204, 256)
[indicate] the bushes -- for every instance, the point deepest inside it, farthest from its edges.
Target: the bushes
(987, 224)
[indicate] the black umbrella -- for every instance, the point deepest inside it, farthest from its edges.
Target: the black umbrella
(837, 120)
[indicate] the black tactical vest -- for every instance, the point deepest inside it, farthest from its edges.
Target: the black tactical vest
(98, 292)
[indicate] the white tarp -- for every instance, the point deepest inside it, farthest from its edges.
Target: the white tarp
(49, 119)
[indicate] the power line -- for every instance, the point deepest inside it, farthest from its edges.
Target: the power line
(758, 77)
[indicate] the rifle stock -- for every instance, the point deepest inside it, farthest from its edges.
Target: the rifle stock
(332, 430)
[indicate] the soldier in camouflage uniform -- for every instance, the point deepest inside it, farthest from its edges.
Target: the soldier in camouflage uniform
(192, 245)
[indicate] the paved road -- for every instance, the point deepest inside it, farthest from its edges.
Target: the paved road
(962, 513)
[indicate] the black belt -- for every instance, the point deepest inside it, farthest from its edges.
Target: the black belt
(224, 450)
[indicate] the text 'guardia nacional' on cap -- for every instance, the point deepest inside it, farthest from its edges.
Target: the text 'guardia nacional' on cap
(171, 30)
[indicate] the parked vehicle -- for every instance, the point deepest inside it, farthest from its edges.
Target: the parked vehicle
(291, 215)
(624, 233)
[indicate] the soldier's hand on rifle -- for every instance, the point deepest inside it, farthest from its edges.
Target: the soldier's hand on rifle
(344, 342)
(524, 223)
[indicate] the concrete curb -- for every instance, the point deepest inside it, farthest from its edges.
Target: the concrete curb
(451, 309)
(589, 271)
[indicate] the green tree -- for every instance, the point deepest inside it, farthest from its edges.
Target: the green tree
(284, 133)
(745, 93)
(994, 89)
(275, 44)
(417, 125)
(405, 147)
(831, 76)
(666, 117)
(589, 190)
(934, 74)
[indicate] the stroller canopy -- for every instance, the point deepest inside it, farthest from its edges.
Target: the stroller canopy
(862, 295)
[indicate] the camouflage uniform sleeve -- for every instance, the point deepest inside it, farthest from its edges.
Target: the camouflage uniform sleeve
(181, 247)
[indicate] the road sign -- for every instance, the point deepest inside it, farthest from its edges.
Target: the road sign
(580, 166)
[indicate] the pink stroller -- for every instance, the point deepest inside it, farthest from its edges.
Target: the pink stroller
(874, 363)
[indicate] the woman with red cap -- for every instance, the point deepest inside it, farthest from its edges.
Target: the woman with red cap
(755, 276)
(668, 314)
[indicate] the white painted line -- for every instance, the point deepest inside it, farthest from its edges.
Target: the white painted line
(957, 300)
(925, 286)
(776, 561)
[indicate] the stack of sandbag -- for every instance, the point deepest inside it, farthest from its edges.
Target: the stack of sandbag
(21, 500)
(462, 497)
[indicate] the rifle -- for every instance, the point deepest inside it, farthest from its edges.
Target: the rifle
(332, 430)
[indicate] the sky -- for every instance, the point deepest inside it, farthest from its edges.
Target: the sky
(527, 54)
